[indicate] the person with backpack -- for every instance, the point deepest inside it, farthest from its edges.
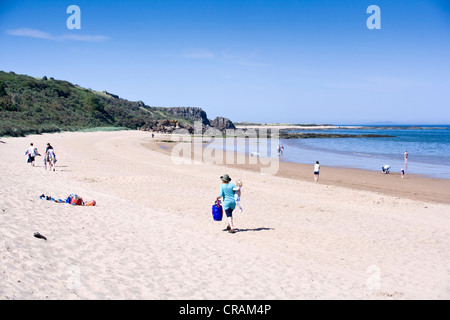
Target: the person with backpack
(32, 152)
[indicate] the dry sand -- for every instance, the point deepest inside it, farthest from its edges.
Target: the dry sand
(151, 235)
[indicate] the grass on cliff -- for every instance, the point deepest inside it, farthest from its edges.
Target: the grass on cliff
(33, 106)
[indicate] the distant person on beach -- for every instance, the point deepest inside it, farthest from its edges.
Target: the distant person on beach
(386, 168)
(228, 203)
(403, 173)
(316, 171)
(32, 152)
(280, 148)
(50, 157)
(237, 194)
(405, 155)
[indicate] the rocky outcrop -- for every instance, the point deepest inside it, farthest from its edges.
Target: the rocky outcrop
(164, 126)
(140, 104)
(190, 113)
(286, 134)
(222, 124)
(198, 114)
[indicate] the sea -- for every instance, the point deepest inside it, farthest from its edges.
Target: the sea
(428, 148)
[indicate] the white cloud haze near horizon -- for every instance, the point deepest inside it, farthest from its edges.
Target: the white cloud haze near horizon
(33, 33)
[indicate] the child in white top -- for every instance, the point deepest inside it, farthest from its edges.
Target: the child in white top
(237, 194)
(316, 171)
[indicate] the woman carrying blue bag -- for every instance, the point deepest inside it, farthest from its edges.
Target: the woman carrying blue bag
(228, 203)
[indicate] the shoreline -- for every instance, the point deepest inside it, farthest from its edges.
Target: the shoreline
(333, 127)
(413, 186)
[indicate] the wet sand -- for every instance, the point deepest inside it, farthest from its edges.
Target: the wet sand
(412, 186)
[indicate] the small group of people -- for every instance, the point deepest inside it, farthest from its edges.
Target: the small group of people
(49, 157)
(231, 197)
(387, 168)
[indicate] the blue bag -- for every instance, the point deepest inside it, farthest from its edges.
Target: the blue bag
(217, 212)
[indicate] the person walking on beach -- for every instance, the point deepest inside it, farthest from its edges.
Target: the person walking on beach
(405, 155)
(316, 171)
(50, 157)
(228, 203)
(280, 149)
(32, 152)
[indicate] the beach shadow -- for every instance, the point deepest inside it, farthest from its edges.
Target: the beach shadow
(253, 230)
(61, 170)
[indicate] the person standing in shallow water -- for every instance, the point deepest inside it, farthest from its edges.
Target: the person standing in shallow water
(405, 155)
(226, 192)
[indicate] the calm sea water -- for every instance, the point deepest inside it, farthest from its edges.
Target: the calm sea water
(428, 150)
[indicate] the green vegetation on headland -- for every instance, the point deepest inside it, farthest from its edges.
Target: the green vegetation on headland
(32, 106)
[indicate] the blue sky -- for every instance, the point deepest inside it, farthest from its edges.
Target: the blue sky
(312, 61)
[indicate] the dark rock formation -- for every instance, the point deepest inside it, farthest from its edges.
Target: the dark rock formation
(198, 114)
(222, 123)
(285, 134)
(140, 104)
(191, 113)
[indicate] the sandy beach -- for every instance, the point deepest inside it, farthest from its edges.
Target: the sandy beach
(354, 235)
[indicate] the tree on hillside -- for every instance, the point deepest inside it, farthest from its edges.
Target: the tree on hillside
(2, 89)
